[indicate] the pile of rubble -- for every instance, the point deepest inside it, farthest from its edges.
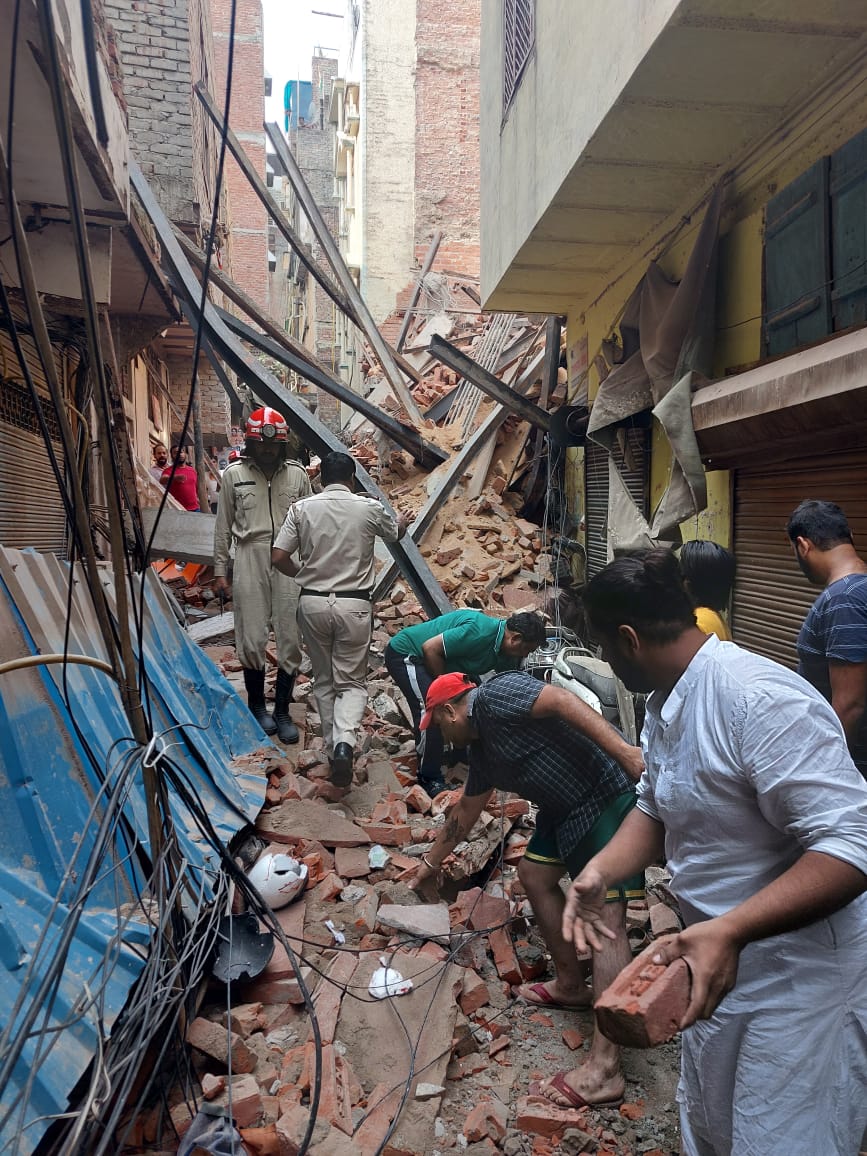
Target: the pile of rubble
(442, 1063)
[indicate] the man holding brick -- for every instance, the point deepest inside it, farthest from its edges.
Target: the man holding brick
(753, 798)
(548, 746)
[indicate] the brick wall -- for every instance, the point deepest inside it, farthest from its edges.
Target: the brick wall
(247, 219)
(213, 401)
(164, 48)
(447, 131)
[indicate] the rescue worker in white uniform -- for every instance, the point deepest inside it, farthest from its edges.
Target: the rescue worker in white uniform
(333, 533)
(255, 494)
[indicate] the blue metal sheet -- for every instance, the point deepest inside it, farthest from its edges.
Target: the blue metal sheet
(50, 775)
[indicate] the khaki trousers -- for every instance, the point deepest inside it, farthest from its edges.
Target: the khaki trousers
(336, 632)
(264, 599)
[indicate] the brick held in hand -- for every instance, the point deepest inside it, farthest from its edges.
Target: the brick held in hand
(645, 1004)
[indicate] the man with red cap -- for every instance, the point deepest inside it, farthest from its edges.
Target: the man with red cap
(548, 746)
(256, 493)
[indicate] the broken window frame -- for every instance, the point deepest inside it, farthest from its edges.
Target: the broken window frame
(519, 41)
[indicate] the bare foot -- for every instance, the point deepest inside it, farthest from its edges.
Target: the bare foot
(560, 994)
(588, 1083)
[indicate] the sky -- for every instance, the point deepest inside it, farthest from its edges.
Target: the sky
(292, 32)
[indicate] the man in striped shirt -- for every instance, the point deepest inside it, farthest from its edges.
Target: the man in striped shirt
(832, 644)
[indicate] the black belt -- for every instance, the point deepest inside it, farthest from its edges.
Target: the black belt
(365, 594)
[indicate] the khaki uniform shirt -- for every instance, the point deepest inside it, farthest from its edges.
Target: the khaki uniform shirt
(333, 533)
(252, 507)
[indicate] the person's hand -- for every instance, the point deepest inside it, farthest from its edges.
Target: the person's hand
(403, 521)
(422, 879)
(221, 585)
(583, 918)
(632, 761)
(711, 953)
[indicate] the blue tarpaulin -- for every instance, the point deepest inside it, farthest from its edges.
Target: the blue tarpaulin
(62, 732)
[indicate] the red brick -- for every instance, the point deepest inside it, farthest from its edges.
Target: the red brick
(474, 992)
(538, 1116)
(212, 1086)
(381, 1106)
(330, 887)
(418, 799)
(573, 1039)
(487, 1119)
(246, 1101)
(214, 1041)
(389, 811)
(388, 834)
(329, 993)
(351, 862)
(246, 1018)
(498, 1045)
(663, 921)
(632, 1111)
(365, 911)
(643, 1007)
(262, 1141)
(505, 960)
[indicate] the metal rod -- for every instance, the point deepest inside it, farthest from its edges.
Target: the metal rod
(487, 383)
(416, 293)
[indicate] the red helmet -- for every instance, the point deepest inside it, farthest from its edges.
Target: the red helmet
(233, 456)
(267, 424)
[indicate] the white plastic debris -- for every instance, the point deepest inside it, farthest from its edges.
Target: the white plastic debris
(339, 937)
(278, 878)
(377, 856)
(386, 982)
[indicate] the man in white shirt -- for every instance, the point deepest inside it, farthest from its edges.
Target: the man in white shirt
(333, 534)
(751, 794)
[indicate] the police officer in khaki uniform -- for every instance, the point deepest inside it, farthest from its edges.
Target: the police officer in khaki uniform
(255, 494)
(333, 533)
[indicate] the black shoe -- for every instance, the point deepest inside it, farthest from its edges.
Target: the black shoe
(254, 683)
(434, 787)
(341, 765)
(287, 731)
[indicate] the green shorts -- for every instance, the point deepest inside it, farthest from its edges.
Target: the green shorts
(543, 849)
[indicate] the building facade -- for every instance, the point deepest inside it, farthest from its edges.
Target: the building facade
(599, 175)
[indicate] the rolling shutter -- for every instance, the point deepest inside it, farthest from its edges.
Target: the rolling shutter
(632, 457)
(797, 263)
(771, 595)
(31, 510)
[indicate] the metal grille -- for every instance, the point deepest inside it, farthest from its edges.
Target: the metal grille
(519, 36)
(17, 409)
(771, 595)
(634, 466)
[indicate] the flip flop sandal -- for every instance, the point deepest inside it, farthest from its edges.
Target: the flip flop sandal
(545, 999)
(576, 1100)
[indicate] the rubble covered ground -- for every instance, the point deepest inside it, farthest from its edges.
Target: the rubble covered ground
(450, 1065)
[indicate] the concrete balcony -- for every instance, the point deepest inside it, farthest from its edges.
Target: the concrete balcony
(626, 113)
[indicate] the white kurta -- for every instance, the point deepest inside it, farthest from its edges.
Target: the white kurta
(747, 768)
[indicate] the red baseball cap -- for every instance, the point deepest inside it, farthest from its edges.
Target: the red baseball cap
(444, 689)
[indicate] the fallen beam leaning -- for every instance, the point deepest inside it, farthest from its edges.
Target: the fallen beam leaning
(405, 552)
(445, 352)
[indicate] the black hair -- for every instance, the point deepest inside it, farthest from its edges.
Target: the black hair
(337, 468)
(643, 590)
(822, 523)
(530, 626)
(282, 446)
(709, 571)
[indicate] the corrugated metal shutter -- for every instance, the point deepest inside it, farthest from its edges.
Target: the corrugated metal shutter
(771, 595)
(798, 262)
(849, 232)
(634, 466)
(31, 510)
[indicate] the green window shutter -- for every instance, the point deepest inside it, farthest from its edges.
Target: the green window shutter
(849, 233)
(798, 263)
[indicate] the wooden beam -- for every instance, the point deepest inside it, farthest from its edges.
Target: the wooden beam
(226, 346)
(335, 259)
(274, 211)
(445, 352)
(425, 453)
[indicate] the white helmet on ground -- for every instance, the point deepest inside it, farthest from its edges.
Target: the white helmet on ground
(278, 878)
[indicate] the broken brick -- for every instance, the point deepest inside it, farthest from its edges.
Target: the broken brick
(505, 960)
(214, 1041)
(365, 911)
(351, 862)
(474, 992)
(418, 799)
(246, 1018)
(487, 1119)
(212, 1086)
(539, 1117)
(663, 921)
(329, 993)
(245, 1096)
(387, 834)
(573, 1039)
(262, 1141)
(632, 1111)
(330, 887)
(644, 1005)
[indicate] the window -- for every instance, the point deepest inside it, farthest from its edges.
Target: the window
(519, 36)
(816, 251)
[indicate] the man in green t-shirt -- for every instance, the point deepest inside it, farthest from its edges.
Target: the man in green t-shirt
(464, 640)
